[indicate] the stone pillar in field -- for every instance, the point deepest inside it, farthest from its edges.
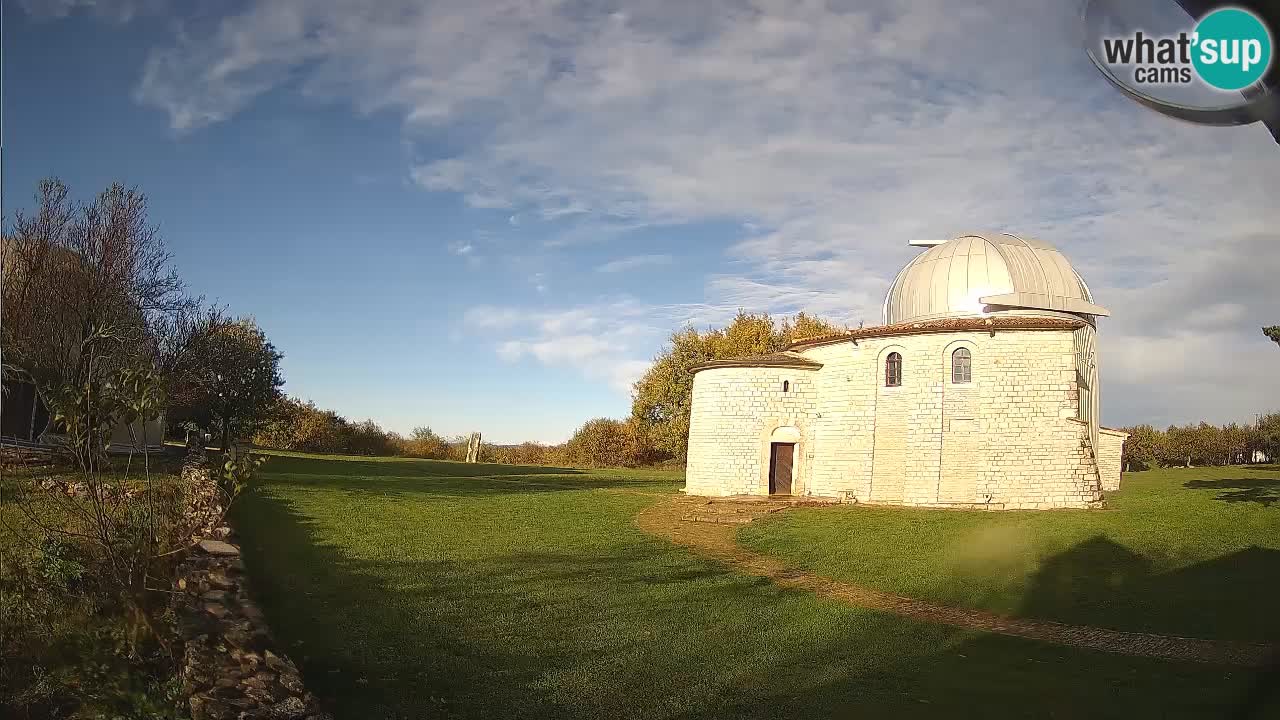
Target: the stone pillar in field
(473, 448)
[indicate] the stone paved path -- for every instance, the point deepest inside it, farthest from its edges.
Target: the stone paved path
(715, 539)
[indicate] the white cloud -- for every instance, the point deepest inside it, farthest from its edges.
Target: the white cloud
(830, 132)
(539, 282)
(634, 262)
(603, 341)
(119, 11)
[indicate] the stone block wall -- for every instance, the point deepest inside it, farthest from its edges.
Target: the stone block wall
(1110, 449)
(735, 412)
(1008, 439)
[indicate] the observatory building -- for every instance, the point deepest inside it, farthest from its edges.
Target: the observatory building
(980, 390)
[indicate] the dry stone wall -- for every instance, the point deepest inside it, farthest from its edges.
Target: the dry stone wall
(229, 669)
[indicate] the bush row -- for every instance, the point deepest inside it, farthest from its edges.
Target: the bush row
(603, 442)
(1202, 444)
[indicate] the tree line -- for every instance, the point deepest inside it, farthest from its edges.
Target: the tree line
(656, 432)
(293, 424)
(1202, 444)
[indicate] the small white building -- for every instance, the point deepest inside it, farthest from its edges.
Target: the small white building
(980, 390)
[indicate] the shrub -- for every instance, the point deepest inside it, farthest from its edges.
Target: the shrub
(423, 442)
(608, 443)
(1200, 444)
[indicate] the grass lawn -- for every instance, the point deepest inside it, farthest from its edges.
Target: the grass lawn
(412, 589)
(1188, 551)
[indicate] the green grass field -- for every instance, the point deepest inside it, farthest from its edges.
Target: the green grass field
(414, 589)
(1192, 552)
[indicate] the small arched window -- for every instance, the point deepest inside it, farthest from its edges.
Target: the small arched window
(961, 366)
(786, 386)
(893, 370)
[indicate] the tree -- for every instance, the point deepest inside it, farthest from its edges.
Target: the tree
(1141, 448)
(1268, 436)
(807, 326)
(88, 291)
(527, 453)
(662, 397)
(236, 381)
(423, 442)
(1272, 332)
(292, 424)
(1235, 443)
(604, 442)
(368, 438)
(1179, 448)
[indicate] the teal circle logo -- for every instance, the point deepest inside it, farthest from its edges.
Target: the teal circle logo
(1232, 49)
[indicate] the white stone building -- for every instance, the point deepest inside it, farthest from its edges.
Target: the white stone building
(980, 390)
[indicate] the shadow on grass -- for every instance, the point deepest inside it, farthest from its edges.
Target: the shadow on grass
(1264, 491)
(409, 467)
(407, 477)
(458, 486)
(630, 627)
(1100, 582)
(1103, 583)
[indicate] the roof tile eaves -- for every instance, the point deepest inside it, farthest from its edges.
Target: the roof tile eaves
(923, 327)
(775, 360)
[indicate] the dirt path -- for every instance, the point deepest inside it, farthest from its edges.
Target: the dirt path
(717, 541)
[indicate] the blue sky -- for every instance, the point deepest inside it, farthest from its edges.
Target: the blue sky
(487, 216)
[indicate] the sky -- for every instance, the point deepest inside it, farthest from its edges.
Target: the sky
(490, 215)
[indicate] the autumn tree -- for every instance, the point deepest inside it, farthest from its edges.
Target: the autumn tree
(235, 384)
(368, 438)
(1233, 443)
(1268, 436)
(1141, 448)
(292, 424)
(804, 326)
(96, 318)
(89, 292)
(1272, 332)
(528, 453)
(605, 442)
(424, 442)
(663, 395)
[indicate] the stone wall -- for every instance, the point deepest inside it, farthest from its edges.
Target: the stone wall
(735, 412)
(1110, 450)
(229, 670)
(1005, 440)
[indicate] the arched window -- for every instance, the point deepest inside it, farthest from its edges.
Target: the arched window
(893, 370)
(961, 366)
(786, 386)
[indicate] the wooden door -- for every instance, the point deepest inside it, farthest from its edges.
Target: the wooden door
(781, 460)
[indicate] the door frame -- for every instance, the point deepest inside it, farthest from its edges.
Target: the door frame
(782, 429)
(773, 466)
